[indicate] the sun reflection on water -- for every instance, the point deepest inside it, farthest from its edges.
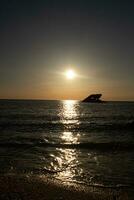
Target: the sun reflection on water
(69, 138)
(69, 164)
(69, 117)
(68, 161)
(69, 112)
(69, 109)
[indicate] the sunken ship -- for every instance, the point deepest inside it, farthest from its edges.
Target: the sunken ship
(93, 98)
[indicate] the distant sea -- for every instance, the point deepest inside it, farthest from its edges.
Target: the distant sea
(88, 143)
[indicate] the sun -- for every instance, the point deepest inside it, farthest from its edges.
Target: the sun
(70, 74)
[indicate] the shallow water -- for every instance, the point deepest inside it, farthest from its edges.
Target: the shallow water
(72, 141)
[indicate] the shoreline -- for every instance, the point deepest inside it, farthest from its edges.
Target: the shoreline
(31, 187)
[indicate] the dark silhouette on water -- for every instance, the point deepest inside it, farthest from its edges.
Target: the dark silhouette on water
(93, 98)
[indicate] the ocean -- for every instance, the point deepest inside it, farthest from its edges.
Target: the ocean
(87, 143)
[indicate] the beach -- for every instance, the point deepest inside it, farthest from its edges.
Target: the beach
(20, 187)
(66, 150)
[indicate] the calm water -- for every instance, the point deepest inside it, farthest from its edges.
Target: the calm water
(70, 140)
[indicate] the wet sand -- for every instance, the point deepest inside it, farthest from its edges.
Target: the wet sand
(14, 187)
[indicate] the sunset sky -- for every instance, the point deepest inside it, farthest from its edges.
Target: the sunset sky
(41, 40)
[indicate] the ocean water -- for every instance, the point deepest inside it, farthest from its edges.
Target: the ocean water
(72, 141)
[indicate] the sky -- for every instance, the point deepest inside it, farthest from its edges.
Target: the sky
(40, 40)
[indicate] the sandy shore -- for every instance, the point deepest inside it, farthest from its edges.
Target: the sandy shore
(14, 187)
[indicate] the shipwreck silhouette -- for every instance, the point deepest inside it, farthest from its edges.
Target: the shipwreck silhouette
(93, 98)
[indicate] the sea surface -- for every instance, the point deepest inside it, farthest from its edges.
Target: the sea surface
(72, 141)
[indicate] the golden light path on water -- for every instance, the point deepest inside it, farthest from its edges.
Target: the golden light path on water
(64, 161)
(69, 157)
(69, 117)
(68, 138)
(69, 112)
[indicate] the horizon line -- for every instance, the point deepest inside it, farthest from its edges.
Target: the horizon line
(34, 99)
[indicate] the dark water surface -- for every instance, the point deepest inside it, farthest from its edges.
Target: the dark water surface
(72, 141)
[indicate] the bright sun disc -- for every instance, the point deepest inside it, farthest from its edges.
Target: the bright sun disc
(70, 74)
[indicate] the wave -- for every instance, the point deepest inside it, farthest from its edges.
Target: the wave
(85, 126)
(103, 146)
